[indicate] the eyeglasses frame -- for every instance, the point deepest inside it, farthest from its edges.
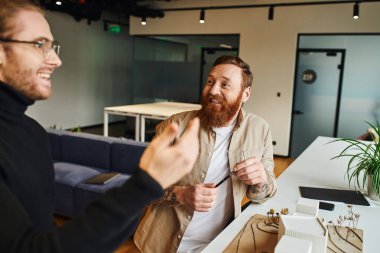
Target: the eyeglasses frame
(55, 45)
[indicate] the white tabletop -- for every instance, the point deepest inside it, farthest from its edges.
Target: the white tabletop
(313, 168)
(164, 109)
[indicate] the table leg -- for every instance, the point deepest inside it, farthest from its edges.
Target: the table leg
(142, 128)
(105, 124)
(137, 127)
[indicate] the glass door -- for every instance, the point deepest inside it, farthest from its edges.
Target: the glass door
(316, 97)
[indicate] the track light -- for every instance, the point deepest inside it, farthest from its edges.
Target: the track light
(356, 10)
(202, 16)
(271, 13)
(143, 20)
(271, 7)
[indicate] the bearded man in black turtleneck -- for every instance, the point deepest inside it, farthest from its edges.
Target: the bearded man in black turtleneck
(28, 58)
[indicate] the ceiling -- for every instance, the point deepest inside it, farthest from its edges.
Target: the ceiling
(91, 10)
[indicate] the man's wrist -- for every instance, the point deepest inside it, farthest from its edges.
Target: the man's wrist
(172, 197)
(262, 187)
(177, 192)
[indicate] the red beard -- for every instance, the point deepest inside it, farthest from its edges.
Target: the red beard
(218, 115)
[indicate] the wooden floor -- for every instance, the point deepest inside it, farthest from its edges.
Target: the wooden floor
(280, 166)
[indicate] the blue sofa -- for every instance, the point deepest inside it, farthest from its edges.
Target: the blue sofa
(78, 157)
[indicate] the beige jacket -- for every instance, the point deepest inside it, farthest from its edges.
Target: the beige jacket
(165, 221)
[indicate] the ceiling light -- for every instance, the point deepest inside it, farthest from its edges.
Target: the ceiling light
(58, 3)
(143, 20)
(202, 17)
(271, 13)
(356, 10)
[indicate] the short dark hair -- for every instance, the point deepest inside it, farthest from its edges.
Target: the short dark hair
(8, 10)
(234, 60)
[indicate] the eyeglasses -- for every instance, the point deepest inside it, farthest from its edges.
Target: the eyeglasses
(46, 45)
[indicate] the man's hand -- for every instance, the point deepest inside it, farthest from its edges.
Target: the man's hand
(200, 197)
(251, 171)
(168, 163)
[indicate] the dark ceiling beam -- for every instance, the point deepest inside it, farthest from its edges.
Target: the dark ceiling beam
(93, 9)
(267, 5)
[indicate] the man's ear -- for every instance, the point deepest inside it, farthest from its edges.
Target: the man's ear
(246, 94)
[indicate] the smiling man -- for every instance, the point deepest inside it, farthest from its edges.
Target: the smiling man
(28, 58)
(193, 211)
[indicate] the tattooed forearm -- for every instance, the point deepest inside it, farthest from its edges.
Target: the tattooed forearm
(260, 194)
(169, 198)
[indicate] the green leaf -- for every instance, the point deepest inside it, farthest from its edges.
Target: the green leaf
(364, 160)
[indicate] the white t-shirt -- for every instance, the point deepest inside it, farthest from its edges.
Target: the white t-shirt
(205, 226)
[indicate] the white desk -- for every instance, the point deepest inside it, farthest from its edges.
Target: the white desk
(312, 168)
(141, 112)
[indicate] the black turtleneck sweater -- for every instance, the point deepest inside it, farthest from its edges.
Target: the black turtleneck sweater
(27, 193)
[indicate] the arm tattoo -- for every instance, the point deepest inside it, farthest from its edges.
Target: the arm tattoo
(258, 193)
(169, 198)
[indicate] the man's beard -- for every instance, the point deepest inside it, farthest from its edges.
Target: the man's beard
(20, 78)
(221, 114)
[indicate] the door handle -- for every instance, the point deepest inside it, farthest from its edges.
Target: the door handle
(298, 112)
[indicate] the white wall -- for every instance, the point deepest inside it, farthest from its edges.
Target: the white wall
(96, 73)
(268, 46)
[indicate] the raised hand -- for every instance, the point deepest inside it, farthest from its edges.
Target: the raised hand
(168, 163)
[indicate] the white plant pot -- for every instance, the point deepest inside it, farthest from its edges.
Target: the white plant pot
(372, 195)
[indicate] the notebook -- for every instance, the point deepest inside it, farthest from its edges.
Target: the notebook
(345, 196)
(102, 178)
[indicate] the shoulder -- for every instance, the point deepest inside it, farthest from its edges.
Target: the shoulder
(183, 116)
(180, 118)
(254, 121)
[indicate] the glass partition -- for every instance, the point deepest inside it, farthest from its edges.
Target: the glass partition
(168, 68)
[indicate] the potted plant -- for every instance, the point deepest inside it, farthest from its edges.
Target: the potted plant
(364, 160)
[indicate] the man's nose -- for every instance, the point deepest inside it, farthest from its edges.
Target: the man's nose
(53, 59)
(215, 89)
